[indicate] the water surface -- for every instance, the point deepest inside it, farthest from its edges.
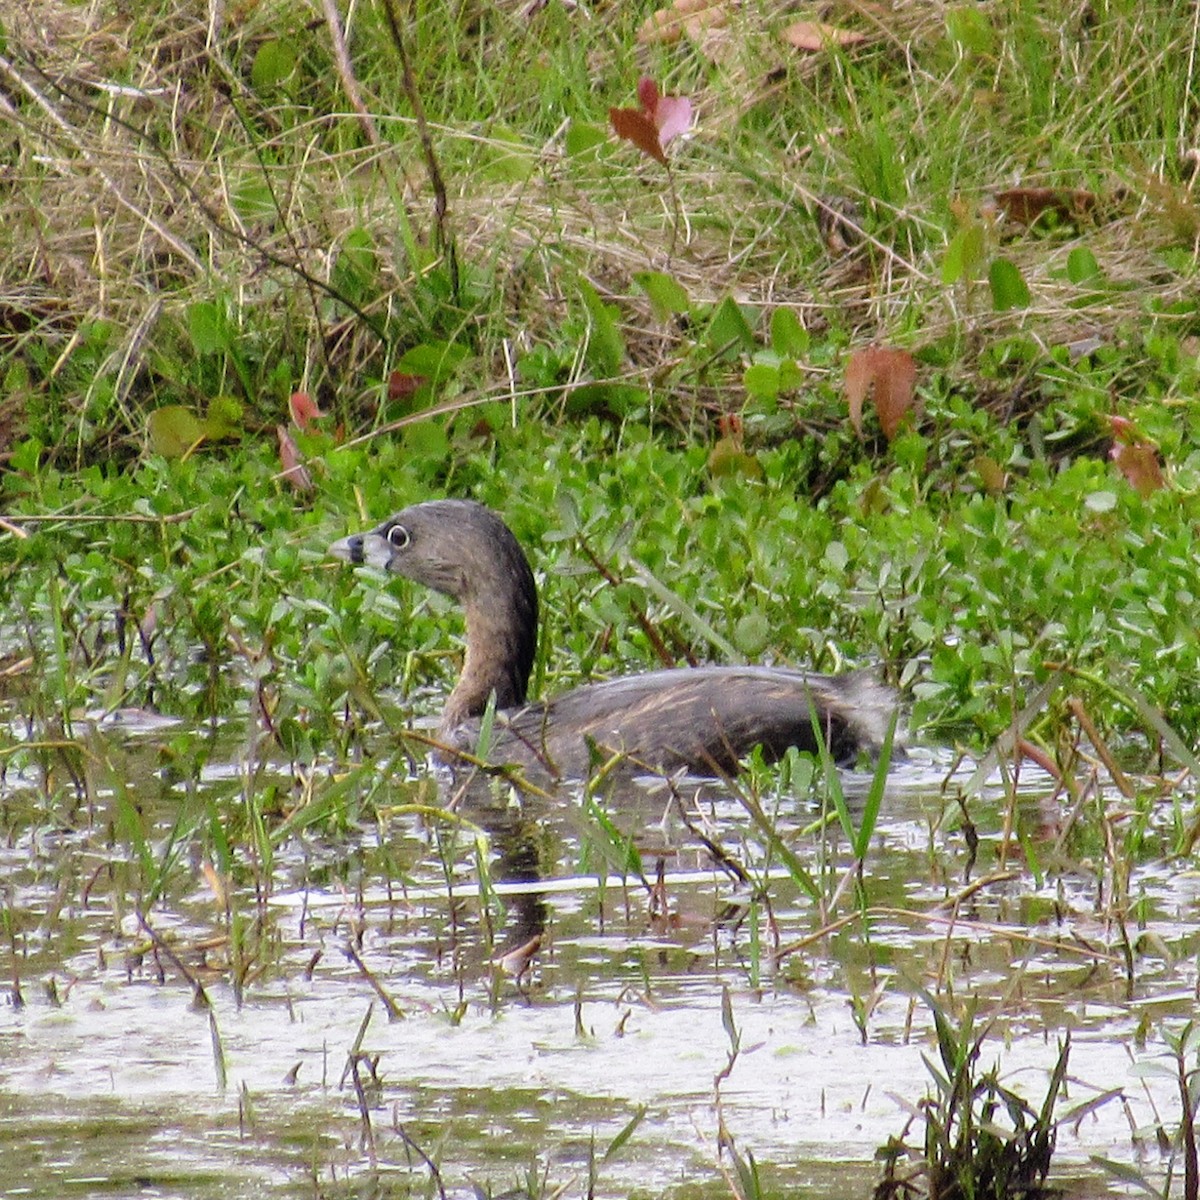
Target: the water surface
(340, 1005)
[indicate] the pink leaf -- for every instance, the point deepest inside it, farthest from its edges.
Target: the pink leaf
(659, 120)
(673, 116)
(293, 469)
(304, 410)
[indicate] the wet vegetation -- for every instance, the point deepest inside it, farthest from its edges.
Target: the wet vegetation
(257, 295)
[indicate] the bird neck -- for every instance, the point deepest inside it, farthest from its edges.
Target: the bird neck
(501, 639)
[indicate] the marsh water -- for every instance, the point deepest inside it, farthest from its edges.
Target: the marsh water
(484, 1002)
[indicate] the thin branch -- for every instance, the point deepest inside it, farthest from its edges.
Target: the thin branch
(443, 243)
(346, 71)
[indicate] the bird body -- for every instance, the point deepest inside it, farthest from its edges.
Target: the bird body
(702, 718)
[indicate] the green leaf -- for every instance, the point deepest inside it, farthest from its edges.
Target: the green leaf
(729, 330)
(355, 272)
(224, 418)
(761, 380)
(1082, 266)
(437, 361)
(173, 430)
(666, 295)
(206, 328)
(427, 440)
(728, 460)
(866, 829)
(614, 399)
(1009, 289)
(731, 1029)
(16, 378)
(753, 634)
(1100, 502)
(253, 200)
(790, 376)
(483, 743)
(625, 1133)
(273, 63)
(27, 456)
(606, 346)
(358, 250)
(789, 339)
(964, 254)
(747, 1170)
(512, 161)
(617, 849)
(582, 136)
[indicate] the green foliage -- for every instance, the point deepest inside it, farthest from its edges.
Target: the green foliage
(273, 63)
(1009, 289)
(605, 346)
(992, 540)
(981, 1139)
(964, 594)
(729, 330)
(583, 336)
(1082, 266)
(667, 296)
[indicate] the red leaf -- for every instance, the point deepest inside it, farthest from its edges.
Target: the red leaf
(1140, 466)
(730, 425)
(1124, 430)
(635, 126)
(402, 386)
(891, 375)
(660, 120)
(1026, 204)
(304, 410)
(1136, 456)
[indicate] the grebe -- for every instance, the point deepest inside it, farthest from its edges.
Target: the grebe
(702, 718)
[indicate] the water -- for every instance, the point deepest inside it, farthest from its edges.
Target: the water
(333, 1020)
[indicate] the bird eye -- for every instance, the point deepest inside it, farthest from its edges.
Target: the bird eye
(399, 537)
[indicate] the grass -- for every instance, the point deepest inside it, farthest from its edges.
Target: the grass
(980, 1138)
(643, 370)
(230, 229)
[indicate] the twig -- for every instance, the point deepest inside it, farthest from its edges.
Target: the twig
(442, 243)
(639, 614)
(85, 518)
(416, 1149)
(346, 71)
(394, 1011)
(990, 928)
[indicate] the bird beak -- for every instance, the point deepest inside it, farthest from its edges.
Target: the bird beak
(363, 549)
(349, 548)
